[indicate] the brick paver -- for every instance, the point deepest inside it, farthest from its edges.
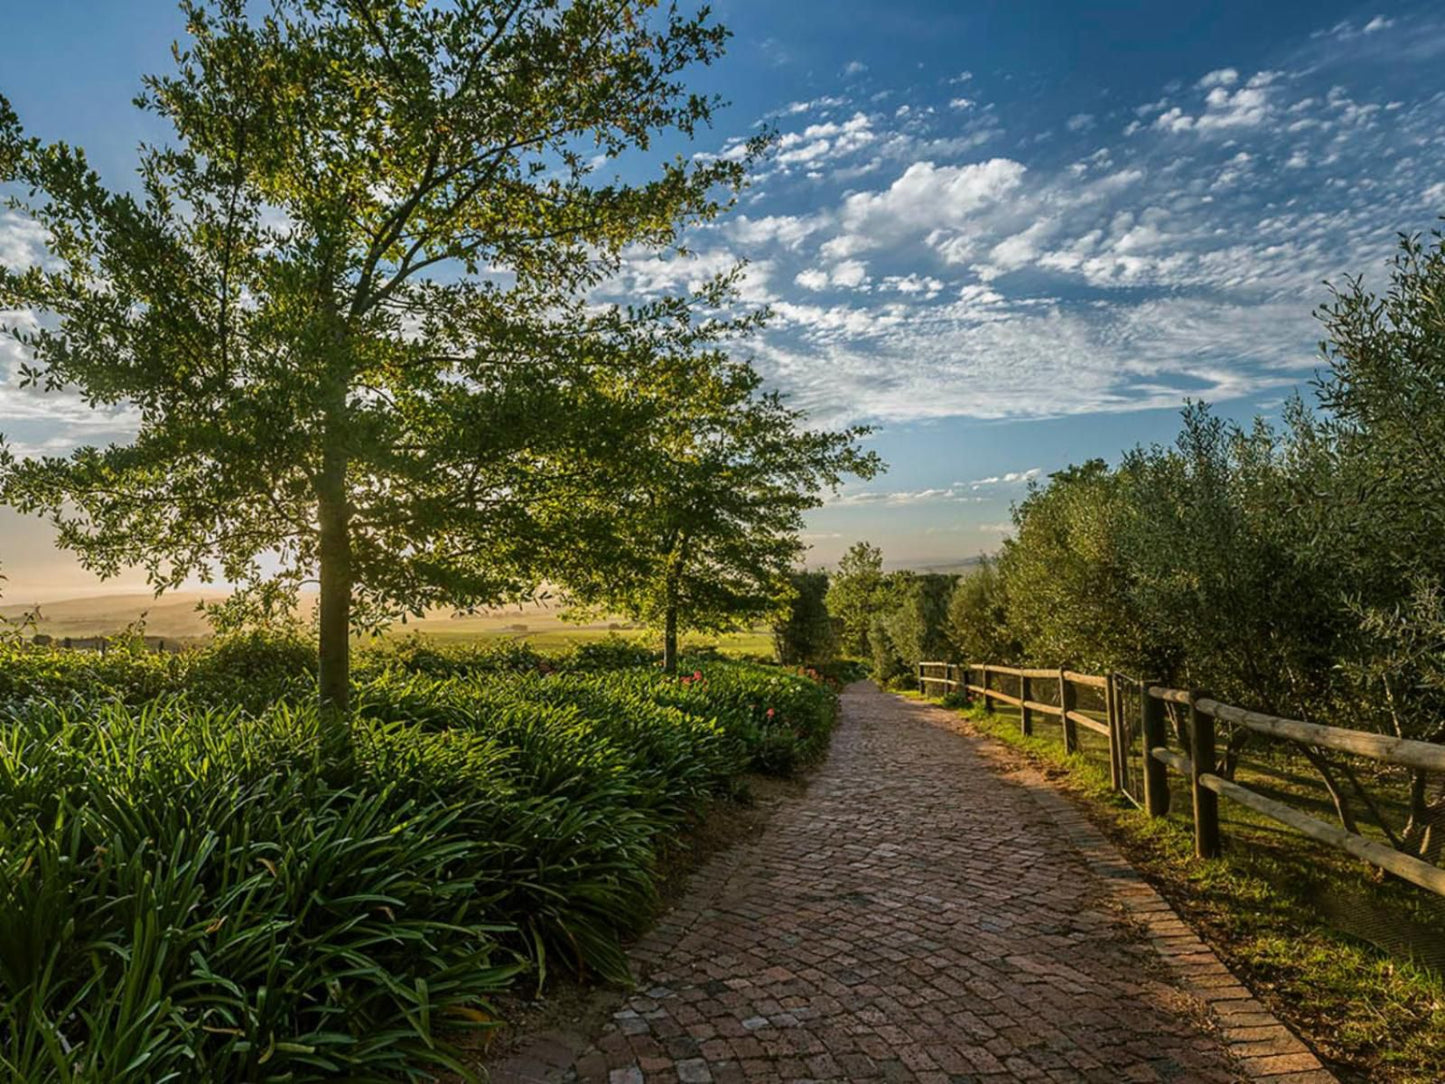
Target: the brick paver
(926, 915)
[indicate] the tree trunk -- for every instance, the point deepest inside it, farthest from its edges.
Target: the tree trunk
(1337, 795)
(669, 640)
(1425, 831)
(334, 677)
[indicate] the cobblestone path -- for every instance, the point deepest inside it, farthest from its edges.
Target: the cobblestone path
(924, 913)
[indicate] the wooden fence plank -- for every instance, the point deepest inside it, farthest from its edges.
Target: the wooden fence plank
(1401, 751)
(1079, 718)
(1401, 865)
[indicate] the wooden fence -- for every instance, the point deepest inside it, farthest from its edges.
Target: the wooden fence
(1198, 763)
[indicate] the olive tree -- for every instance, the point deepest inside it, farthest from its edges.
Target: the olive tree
(1374, 502)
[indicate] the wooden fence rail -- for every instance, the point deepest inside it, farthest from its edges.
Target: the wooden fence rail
(1197, 763)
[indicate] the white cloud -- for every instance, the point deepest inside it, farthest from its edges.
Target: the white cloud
(22, 241)
(924, 286)
(1378, 23)
(829, 140)
(1246, 107)
(925, 199)
(905, 496)
(827, 101)
(1184, 261)
(1016, 477)
(1221, 77)
(848, 274)
(646, 274)
(854, 67)
(1080, 122)
(786, 230)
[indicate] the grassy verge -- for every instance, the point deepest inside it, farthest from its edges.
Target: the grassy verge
(1315, 934)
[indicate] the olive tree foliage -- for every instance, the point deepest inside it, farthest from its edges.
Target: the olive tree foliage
(917, 621)
(855, 593)
(1223, 593)
(345, 299)
(1064, 580)
(978, 623)
(706, 529)
(1375, 502)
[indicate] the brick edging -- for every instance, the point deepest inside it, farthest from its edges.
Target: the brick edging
(1264, 1048)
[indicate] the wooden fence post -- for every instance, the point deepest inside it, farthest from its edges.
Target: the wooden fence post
(1066, 705)
(1156, 775)
(1206, 802)
(1026, 718)
(987, 700)
(1112, 717)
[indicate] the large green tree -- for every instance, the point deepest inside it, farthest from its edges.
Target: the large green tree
(708, 522)
(855, 594)
(346, 298)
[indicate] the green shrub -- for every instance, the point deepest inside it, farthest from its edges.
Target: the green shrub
(247, 893)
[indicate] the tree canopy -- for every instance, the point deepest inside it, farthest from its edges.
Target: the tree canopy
(707, 524)
(348, 299)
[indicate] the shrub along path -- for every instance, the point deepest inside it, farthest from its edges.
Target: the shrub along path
(926, 913)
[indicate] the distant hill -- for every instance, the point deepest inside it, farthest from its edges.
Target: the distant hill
(175, 617)
(171, 616)
(951, 568)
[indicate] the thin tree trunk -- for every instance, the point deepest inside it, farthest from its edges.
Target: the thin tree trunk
(1337, 795)
(335, 618)
(669, 640)
(1425, 830)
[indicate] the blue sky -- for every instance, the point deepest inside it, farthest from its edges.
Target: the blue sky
(1011, 235)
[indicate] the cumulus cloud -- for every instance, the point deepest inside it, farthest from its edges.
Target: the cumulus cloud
(818, 143)
(1184, 261)
(847, 274)
(925, 199)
